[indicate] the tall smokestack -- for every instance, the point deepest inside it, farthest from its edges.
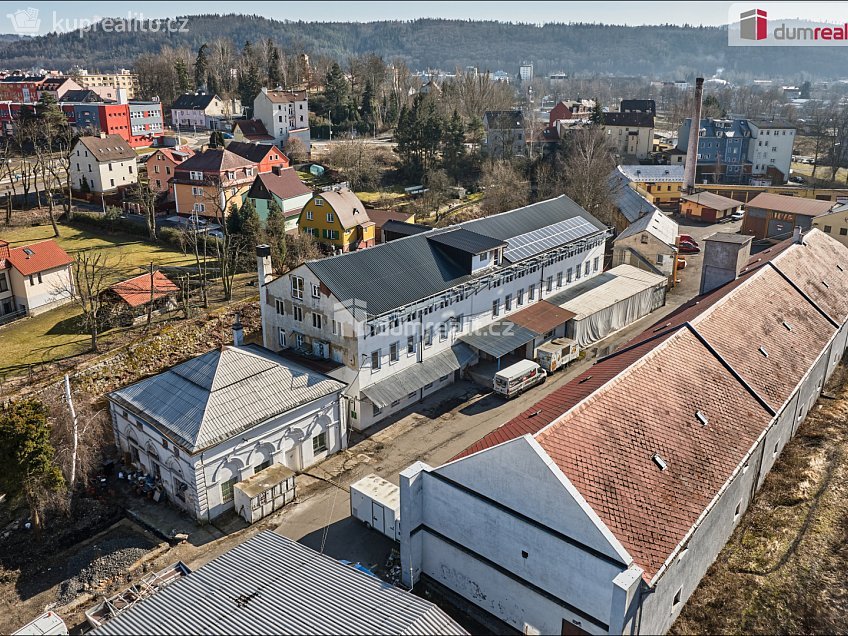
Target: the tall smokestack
(692, 148)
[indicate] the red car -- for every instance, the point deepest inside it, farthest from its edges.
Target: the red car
(688, 248)
(685, 238)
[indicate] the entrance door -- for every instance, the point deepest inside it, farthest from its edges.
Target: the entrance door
(377, 517)
(293, 458)
(570, 629)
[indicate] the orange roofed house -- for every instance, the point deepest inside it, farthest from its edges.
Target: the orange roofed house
(161, 164)
(599, 508)
(208, 183)
(33, 279)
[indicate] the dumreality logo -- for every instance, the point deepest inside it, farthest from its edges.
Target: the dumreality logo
(753, 25)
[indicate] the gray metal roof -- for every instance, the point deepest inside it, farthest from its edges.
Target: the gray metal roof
(393, 274)
(499, 338)
(671, 173)
(467, 241)
(273, 585)
(631, 204)
(213, 397)
(411, 379)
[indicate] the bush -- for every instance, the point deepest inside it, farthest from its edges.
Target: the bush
(101, 222)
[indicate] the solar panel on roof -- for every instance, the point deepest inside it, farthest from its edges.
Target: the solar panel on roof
(546, 238)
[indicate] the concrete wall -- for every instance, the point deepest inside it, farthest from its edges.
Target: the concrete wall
(650, 250)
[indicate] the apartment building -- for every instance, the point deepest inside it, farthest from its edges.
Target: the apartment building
(209, 182)
(284, 114)
(124, 78)
(103, 164)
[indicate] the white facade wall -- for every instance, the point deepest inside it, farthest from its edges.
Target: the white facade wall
(189, 117)
(770, 148)
(281, 117)
(101, 176)
(354, 344)
(286, 439)
(41, 292)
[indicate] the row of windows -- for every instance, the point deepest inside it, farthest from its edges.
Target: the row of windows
(330, 217)
(842, 231)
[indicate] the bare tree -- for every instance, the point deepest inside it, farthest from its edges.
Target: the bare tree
(505, 186)
(295, 150)
(142, 195)
(91, 275)
(300, 247)
(355, 159)
(588, 160)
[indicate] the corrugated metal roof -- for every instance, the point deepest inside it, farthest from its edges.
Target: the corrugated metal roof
(273, 585)
(499, 338)
(790, 205)
(631, 204)
(541, 317)
(413, 378)
(657, 223)
(712, 200)
(641, 173)
(408, 269)
(467, 241)
(213, 397)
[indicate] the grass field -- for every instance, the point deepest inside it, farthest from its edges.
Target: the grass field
(56, 335)
(822, 172)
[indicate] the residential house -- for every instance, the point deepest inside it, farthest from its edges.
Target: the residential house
(570, 109)
(707, 206)
(338, 221)
(251, 130)
(208, 183)
(202, 110)
(103, 164)
(600, 508)
(270, 584)
(629, 203)
(132, 298)
(33, 279)
(834, 223)
(83, 96)
(660, 185)
(630, 134)
(267, 158)
(381, 217)
(395, 315)
(208, 423)
(161, 164)
(648, 106)
(284, 114)
(741, 151)
(650, 243)
(505, 134)
(774, 216)
(284, 187)
(29, 89)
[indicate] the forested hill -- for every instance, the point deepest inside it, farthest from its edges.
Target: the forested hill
(663, 51)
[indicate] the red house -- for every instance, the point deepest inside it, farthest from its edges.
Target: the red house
(267, 158)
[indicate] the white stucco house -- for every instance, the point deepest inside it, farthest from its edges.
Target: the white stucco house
(33, 279)
(202, 110)
(284, 114)
(103, 163)
(211, 422)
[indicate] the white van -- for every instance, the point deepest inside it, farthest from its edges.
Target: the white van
(518, 377)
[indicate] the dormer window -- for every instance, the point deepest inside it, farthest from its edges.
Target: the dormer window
(196, 176)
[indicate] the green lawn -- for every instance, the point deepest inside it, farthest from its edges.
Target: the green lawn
(55, 334)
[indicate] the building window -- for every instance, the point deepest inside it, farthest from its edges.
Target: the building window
(281, 338)
(520, 297)
(375, 360)
(675, 603)
(227, 489)
(443, 332)
(843, 231)
(316, 291)
(496, 306)
(394, 354)
(595, 263)
(376, 410)
(660, 259)
(297, 313)
(568, 275)
(330, 218)
(827, 229)
(278, 305)
(410, 345)
(297, 287)
(309, 215)
(508, 302)
(319, 202)
(196, 176)
(587, 268)
(559, 279)
(337, 328)
(428, 337)
(549, 283)
(316, 320)
(260, 467)
(4, 282)
(531, 292)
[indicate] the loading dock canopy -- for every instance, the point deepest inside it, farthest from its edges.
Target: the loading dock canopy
(499, 338)
(541, 317)
(401, 384)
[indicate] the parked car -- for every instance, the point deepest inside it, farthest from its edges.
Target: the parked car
(797, 179)
(685, 238)
(519, 377)
(688, 248)
(738, 215)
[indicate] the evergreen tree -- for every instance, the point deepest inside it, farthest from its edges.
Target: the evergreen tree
(249, 83)
(183, 82)
(336, 91)
(201, 68)
(597, 116)
(216, 139)
(453, 149)
(275, 65)
(275, 231)
(367, 108)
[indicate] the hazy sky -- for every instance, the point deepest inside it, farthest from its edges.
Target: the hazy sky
(708, 13)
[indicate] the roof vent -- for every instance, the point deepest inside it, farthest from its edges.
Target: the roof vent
(839, 267)
(702, 418)
(764, 352)
(787, 325)
(28, 251)
(824, 282)
(659, 461)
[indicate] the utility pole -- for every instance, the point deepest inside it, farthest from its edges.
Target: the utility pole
(70, 401)
(150, 304)
(330, 118)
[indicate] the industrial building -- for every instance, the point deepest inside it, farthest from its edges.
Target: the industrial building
(600, 508)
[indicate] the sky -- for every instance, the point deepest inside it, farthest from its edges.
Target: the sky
(632, 13)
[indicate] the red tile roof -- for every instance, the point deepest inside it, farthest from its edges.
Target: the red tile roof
(602, 428)
(38, 257)
(136, 291)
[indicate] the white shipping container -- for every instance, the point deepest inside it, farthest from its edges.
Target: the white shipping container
(48, 623)
(376, 502)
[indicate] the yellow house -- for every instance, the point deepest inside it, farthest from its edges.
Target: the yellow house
(338, 221)
(661, 185)
(834, 223)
